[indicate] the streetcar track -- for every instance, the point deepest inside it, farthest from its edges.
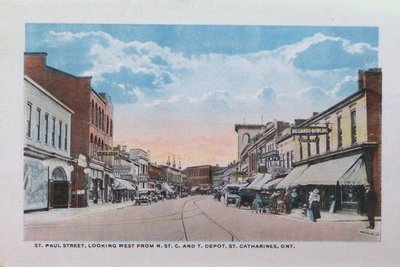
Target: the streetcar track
(233, 237)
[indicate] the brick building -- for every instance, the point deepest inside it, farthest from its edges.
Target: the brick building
(91, 128)
(198, 175)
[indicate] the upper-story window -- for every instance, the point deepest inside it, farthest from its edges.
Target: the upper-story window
(59, 134)
(353, 127)
(339, 131)
(301, 150)
(107, 124)
(66, 137)
(111, 127)
(308, 147)
(93, 112)
(28, 119)
(317, 145)
(53, 132)
(46, 128)
(38, 114)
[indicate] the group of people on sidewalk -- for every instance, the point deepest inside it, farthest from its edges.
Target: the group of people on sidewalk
(312, 209)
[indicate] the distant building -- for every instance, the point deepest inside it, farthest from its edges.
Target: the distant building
(47, 149)
(141, 157)
(198, 175)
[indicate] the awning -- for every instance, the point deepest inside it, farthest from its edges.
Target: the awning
(123, 184)
(292, 176)
(356, 175)
(167, 188)
(271, 184)
(261, 179)
(194, 188)
(330, 172)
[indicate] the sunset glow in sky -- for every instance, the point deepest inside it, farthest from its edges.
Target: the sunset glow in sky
(179, 89)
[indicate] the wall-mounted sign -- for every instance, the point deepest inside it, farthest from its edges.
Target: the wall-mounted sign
(142, 178)
(270, 154)
(107, 153)
(308, 140)
(310, 130)
(125, 169)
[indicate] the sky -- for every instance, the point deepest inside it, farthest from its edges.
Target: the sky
(178, 90)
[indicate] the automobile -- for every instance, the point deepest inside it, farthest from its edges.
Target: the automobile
(232, 195)
(246, 197)
(142, 196)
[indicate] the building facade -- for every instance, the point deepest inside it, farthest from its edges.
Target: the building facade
(338, 151)
(141, 157)
(91, 128)
(47, 149)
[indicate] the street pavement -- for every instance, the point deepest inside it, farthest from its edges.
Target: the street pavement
(196, 218)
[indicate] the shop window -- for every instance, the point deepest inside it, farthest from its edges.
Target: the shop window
(352, 193)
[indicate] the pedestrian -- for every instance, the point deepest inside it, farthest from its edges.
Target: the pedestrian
(370, 201)
(314, 200)
(293, 200)
(287, 200)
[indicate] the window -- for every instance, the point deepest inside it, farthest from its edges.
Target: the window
(46, 125)
(53, 132)
(111, 128)
(288, 160)
(38, 124)
(28, 119)
(301, 150)
(59, 134)
(308, 147)
(328, 139)
(339, 131)
(108, 121)
(353, 127)
(317, 145)
(93, 114)
(66, 137)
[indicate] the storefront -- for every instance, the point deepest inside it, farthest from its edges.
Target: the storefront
(95, 186)
(340, 182)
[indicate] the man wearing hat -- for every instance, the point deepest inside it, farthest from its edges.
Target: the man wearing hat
(370, 201)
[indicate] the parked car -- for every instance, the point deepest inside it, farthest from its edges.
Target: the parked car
(142, 196)
(246, 197)
(232, 194)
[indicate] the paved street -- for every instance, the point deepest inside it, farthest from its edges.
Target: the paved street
(196, 218)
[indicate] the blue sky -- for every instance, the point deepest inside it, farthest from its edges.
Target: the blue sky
(179, 89)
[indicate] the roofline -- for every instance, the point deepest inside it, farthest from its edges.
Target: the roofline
(322, 114)
(28, 79)
(254, 126)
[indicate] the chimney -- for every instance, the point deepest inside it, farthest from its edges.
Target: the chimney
(370, 80)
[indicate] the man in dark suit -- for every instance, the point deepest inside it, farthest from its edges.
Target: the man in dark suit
(370, 201)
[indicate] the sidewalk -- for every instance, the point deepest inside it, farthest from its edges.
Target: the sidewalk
(340, 217)
(61, 214)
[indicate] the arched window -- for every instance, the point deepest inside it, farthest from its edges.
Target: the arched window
(97, 116)
(92, 114)
(58, 174)
(102, 119)
(107, 126)
(111, 127)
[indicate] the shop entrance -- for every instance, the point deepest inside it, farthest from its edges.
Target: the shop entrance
(59, 189)
(60, 194)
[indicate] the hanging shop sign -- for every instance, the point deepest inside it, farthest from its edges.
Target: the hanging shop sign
(308, 140)
(310, 130)
(107, 153)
